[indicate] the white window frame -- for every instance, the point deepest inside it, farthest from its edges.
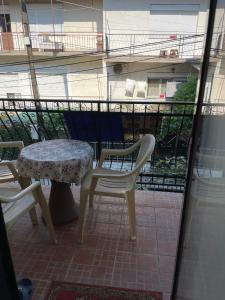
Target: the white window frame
(160, 82)
(164, 80)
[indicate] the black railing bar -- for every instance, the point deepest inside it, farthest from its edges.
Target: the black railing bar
(64, 127)
(123, 113)
(6, 128)
(162, 176)
(25, 128)
(118, 101)
(13, 125)
(45, 133)
(31, 121)
(53, 125)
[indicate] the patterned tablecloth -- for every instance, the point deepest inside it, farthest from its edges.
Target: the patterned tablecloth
(59, 160)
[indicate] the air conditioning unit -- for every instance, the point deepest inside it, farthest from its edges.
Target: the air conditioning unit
(118, 68)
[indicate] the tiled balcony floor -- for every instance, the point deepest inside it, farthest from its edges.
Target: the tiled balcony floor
(107, 256)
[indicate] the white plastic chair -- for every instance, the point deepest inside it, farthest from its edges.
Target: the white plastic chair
(107, 182)
(17, 201)
(6, 174)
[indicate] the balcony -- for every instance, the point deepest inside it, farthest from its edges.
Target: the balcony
(161, 47)
(107, 256)
(49, 43)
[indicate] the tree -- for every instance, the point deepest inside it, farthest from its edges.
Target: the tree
(187, 92)
(176, 129)
(181, 122)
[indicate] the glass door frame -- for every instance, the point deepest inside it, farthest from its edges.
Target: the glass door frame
(193, 146)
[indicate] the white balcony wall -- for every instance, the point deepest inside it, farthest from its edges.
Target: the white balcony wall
(84, 16)
(76, 24)
(64, 79)
(131, 16)
(63, 17)
(88, 80)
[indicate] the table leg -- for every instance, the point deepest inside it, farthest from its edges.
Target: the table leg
(62, 206)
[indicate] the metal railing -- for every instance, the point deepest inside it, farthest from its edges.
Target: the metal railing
(156, 45)
(170, 122)
(10, 41)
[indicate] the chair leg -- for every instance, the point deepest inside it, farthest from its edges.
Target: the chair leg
(83, 204)
(132, 216)
(33, 216)
(40, 198)
(91, 198)
(24, 182)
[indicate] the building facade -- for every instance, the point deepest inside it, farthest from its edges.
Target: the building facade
(102, 49)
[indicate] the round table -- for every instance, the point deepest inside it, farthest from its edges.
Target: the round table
(64, 162)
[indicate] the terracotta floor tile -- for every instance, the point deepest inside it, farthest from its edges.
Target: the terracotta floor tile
(166, 264)
(167, 248)
(107, 256)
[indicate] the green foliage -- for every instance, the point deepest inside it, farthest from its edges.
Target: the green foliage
(187, 92)
(182, 123)
(171, 165)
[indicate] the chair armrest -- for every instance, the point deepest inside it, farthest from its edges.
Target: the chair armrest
(21, 194)
(10, 166)
(13, 144)
(117, 152)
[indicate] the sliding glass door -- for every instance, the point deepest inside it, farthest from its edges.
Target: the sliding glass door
(200, 268)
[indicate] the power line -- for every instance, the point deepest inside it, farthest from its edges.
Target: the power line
(110, 75)
(96, 68)
(94, 52)
(79, 5)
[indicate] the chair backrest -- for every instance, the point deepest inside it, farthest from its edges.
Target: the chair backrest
(8, 174)
(146, 149)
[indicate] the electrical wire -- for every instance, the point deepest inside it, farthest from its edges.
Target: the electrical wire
(117, 56)
(92, 53)
(110, 75)
(79, 5)
(97, 68)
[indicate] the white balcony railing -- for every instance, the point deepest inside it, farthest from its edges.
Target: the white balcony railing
(11, 41)
(156, 45)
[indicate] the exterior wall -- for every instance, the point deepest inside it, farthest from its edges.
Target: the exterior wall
(83, 20)
(75, 80)
(127, 24)
(217, 67)
(218, 82)
(120, 16)
(117, 83)
(89, 80)
(75, 18)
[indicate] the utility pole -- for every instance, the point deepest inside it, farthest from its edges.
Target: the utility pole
(28, 43)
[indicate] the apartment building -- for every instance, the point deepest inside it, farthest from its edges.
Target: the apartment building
(102, 49)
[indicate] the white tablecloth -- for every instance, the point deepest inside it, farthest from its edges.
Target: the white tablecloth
(59, 160)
